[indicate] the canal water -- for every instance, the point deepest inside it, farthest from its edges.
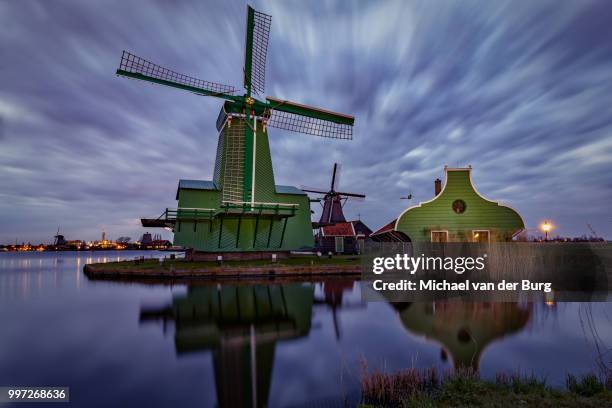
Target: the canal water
(295, 344)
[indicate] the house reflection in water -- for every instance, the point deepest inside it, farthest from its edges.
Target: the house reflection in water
(463, 330)
(241, 324)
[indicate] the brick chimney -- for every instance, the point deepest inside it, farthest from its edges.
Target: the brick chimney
(438, 186)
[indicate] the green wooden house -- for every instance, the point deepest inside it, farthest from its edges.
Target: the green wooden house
(459, 213)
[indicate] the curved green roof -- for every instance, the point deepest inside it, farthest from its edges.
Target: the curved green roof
(437, 214)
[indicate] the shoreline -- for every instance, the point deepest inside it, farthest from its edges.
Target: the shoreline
(181, 269)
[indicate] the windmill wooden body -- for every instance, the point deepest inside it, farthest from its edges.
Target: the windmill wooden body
(242, 209)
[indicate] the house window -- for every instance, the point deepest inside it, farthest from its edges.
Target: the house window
(439, 236)
(480, 236)
(339, 245)
(459, 206)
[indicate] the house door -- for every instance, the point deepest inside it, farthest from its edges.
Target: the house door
(339, 245)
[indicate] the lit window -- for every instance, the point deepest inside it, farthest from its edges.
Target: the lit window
(480, 236)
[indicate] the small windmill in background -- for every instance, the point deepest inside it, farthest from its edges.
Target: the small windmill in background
(58, 239)
(333, 200)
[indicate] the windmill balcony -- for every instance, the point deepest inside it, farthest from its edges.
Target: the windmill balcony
(170, 216)
(256, 208)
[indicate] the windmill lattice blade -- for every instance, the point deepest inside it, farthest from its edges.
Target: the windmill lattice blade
(310, 111)
(355, 195)
(310, 120)
(133, 64)
(310, 126)
(256, 50)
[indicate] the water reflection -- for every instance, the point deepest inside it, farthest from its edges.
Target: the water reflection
(31, 273)
(274, 343)
(464, 330)
(241, 325)
(333, 292)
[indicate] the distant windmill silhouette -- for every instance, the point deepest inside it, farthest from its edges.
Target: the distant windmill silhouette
(58, 238)
(333, 200)
(590, 227)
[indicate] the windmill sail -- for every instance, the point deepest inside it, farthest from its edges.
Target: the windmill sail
(133, 66)
(354, 195)
(310, 120)
(335, 176)
(256, 50)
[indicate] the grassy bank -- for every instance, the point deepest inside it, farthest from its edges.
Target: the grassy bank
(428, 388)
(296, 266)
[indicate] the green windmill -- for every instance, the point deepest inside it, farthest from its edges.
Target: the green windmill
(242, 209)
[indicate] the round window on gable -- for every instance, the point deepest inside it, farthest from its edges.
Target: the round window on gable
(459, 206)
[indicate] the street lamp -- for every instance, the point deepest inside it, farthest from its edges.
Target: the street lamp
(546, 227)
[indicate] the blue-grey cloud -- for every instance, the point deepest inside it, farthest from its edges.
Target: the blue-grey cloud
(522, 91)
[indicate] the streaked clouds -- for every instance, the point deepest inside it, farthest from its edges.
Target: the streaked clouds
(520, 90)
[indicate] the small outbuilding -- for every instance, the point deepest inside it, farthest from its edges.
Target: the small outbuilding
(342, 237)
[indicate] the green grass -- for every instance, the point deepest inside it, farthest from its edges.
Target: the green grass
(426, 388)
(181, 264)
(587, 386)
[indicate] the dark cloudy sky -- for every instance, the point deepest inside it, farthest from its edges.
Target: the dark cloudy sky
(521, 90)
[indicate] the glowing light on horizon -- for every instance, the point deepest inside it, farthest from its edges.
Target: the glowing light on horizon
(546, 227)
